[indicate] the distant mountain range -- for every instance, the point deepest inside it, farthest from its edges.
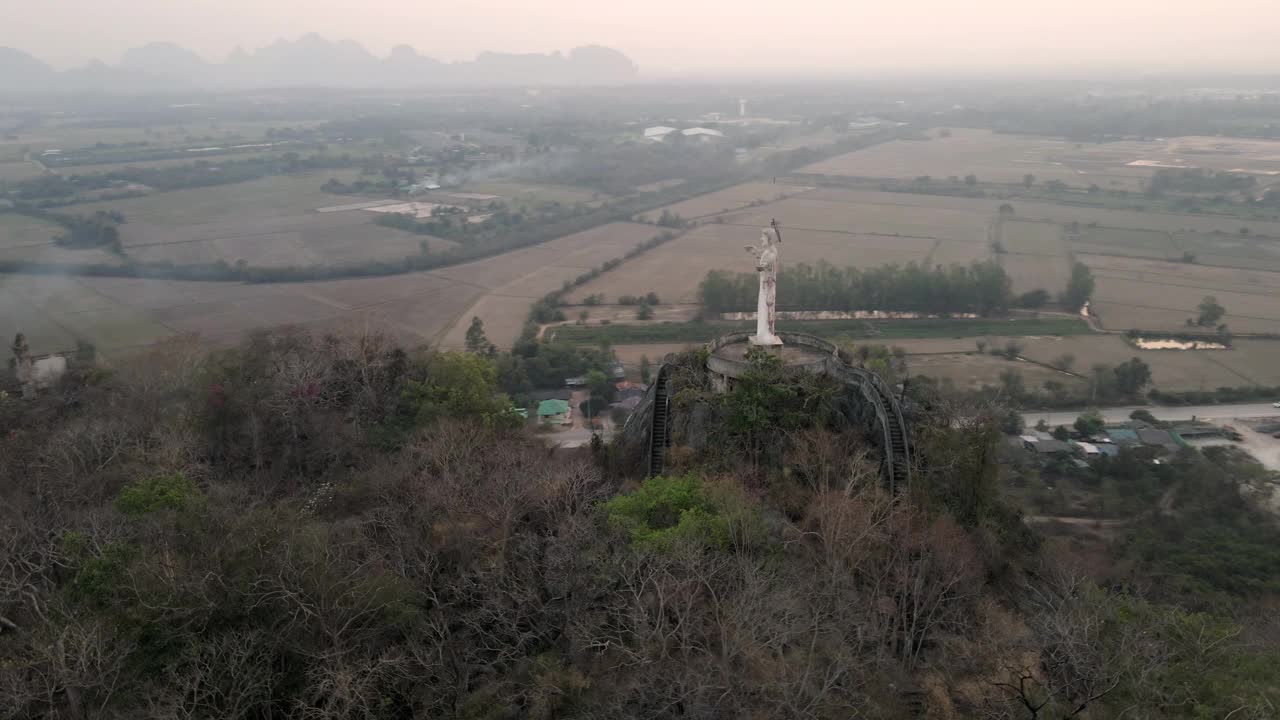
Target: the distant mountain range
(312, 61)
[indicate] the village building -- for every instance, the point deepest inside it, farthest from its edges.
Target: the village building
(555, 412)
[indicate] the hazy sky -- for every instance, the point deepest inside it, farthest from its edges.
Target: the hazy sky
(674, 36)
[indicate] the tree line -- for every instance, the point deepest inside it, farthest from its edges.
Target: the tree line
(981, 288)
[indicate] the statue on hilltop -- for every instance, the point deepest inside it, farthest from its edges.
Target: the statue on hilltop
(767, 268)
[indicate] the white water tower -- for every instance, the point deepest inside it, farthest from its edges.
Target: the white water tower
(742, 107)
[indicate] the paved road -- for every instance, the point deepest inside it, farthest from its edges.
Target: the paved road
(1207, 412)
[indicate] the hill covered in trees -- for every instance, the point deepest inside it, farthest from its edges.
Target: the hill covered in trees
(309, 527)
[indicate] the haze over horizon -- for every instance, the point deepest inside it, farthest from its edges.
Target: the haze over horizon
(665, 37)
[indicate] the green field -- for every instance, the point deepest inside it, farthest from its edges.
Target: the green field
(880, 329)
(263, 198)
(517, 193)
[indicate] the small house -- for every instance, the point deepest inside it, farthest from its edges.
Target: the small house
(1153, 437)
(1123, 436)
(555, 412)
(1051, 447)
(1109, 449)
(1089, 450)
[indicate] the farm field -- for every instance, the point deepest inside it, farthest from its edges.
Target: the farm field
(675, 269)
(20, 230)
(1154, 295)
(1257, 360)
(842, 228)
(255, 199)
(1037, 210)
(1036, 255)
(1127, 242)
(630, 355)
(18, 170)
(973, 372)
(412, 308)
(153, 164)
(852, 215)
(994, 157)
(1002, 158)
(271, 222)
(312, 239)
(1171, 370)
(517, 192)
(509, 284)
(54, 312)
(1237, 251)
(123, 314)
(730, 198)
(71, 135)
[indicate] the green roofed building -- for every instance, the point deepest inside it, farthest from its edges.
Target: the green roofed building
(554, 411)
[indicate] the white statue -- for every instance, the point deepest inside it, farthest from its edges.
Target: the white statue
(767, 268)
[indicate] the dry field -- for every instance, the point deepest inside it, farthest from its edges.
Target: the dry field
(1155, 295)
(843, 228)
(18, 170)
(870, 218)
(1156, 244)
(1248, 362)
(270, 222)
(1257, 360)
(1225, 154)
(333, 238)
(1171, 370)
(1236, 251)
(507, 285)
(415, 308)
(31, 240)
(630, 355)
(720, 201)
(155, 164)
(675, 269)
(264, 198)
(54, 312)
(1214, 240)
(1036, 255)
(975, 371)
(992, 158)
(20, 231)
(1001, 158)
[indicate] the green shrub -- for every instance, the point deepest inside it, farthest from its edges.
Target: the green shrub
(666, 511)
(161, 492)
